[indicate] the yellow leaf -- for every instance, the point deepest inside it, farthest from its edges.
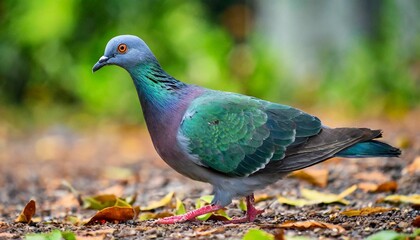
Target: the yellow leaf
(413, 199)
(262, 197)
(296, 202)
(160, 203)
(328, 197)
(207, 198)
(312, 197)
(365, 211)
(27, 213)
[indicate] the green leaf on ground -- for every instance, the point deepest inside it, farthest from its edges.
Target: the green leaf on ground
(180, 207)
(99, 202)
(392, 235)
(257, 234)
(53, 235)
(204, 200)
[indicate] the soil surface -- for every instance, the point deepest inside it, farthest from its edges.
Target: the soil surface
(39, 165)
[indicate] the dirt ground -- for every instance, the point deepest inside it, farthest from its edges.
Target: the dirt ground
(35, 164)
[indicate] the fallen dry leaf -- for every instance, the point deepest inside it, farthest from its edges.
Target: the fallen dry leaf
(206, 231)
(67, 201)
(328, 197)
(6, 235)
(311, 224)
(144, 216)
(367, 186)
(365, 211)
(390, 186)
(95, 234)
(117, 190)
(262, 197)
(27, 213)
(314, 197)
(166, 200)
(296, 202)
(416, 222)
(102, 201)
(413, 167)
(113, 214)
(413, 199)
(317, 177)
(374, 176)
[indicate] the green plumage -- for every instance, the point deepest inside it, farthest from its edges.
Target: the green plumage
(238, 135)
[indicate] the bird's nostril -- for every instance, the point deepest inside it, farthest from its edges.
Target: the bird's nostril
(103, 59)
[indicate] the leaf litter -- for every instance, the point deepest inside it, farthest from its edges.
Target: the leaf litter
(57, 207)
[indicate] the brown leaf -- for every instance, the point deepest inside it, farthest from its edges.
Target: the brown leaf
(416, 222)
(6, 235)
(95, 234)
(27, 213)
(390, 186)
(367, 186)
(317, 177)
(207, 231)
(312, 224)
(112, 214)
(413, 167)
(365, 211)
(279, 234)
(374, 176)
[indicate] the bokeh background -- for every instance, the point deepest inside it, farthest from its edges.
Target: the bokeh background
(349, 58)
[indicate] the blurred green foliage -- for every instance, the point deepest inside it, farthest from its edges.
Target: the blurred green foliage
(48, 48)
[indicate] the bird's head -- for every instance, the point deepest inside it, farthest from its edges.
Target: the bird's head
(125, 51)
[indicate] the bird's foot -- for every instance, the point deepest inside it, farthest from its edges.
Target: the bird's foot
(251, 212)
(251, 215)
(189, 216)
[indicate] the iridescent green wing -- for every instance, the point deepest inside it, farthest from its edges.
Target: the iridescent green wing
(238, 135)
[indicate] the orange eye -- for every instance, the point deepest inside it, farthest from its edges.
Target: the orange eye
(122, 48)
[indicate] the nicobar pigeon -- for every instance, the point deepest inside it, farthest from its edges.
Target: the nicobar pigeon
(236, 143)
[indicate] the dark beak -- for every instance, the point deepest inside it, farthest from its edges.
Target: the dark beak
(102, 62)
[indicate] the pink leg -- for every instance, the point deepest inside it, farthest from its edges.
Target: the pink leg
(189, 215)
(251, 212)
